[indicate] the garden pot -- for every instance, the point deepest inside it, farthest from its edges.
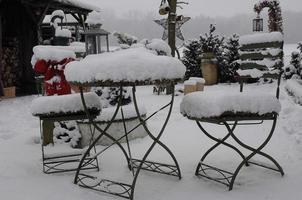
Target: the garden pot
(116, 130)
(209, 68)
(9, 92)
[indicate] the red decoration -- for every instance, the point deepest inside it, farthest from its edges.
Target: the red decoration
(54, 78)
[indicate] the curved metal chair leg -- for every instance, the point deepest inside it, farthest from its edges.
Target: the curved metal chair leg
(254, 152)
(155, 139)
(258, 150)
(219, 142)
(103, 133)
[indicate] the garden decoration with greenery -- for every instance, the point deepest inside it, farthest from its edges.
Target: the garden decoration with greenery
(191, 59)
(275, 22)
(225, 53)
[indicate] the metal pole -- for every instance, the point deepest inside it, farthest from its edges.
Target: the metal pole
(172, 25)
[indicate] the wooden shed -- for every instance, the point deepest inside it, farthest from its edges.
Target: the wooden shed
(20, 31)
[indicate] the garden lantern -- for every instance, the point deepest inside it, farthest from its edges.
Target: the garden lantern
(258, 24)
(93, 37)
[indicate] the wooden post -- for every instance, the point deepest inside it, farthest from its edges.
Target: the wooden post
(172, 26)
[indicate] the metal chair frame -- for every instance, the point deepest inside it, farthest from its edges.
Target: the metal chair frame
(231, 121)
(60, 163)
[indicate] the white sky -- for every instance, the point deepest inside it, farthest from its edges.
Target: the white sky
(210, 8)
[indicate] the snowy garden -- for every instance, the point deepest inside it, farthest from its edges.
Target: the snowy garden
(218, 117)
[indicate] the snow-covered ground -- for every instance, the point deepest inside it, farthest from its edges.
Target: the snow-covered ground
(21, 175)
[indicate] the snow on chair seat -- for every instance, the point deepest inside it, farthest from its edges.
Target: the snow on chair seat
(65, 105)
(209, 105)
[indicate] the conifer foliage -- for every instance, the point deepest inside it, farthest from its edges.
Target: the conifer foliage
(191, 59)
(294, 69)
(231, 56)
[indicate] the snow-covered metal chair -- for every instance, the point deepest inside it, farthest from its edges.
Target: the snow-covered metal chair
(63, 108)
(261, 56)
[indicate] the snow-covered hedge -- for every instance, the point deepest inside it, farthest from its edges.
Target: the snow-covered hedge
(294, 88)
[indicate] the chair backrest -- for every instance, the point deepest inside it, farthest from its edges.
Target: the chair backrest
(261, 56)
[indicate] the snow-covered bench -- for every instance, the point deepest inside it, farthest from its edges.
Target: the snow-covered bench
(262, 56)
(52, 109)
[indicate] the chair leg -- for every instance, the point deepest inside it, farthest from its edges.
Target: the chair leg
(254, 152)
(219, 142)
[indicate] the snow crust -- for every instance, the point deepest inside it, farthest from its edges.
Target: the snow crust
(261, 38)
(255, 73)
(80, 3)
(207, 104)
(159, 45)
(190, 82)
(198, 80)
(63, 33)
(64, 104)
(94, 18)
(52, 53)
(134, 64)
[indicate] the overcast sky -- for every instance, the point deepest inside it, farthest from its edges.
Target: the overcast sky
(210, 8)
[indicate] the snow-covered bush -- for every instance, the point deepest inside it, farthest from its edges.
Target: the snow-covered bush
(294, 69)
(67, 132)
(109, 96)
(211, 42)
(228, 64)
(125, 40)
(191, 59)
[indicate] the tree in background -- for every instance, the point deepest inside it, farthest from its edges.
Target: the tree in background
(211, 42)
(294, 68)
(230, 56)
(191, 59)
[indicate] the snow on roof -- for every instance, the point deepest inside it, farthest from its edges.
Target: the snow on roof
(214, 104)
(64, 104)
(134, 64)
(80, 3)
(261, 38)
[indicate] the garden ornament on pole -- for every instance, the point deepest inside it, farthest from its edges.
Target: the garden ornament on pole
(172, 24)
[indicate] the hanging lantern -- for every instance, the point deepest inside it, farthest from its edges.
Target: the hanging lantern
(93, 39)
(164, 7)
(258, 24)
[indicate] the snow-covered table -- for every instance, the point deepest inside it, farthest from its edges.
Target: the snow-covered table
(132, 67)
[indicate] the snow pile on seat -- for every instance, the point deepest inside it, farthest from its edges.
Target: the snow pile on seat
(260, 38)
(51, 53)
(64, 104)
(209, 104)
(134, 64)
